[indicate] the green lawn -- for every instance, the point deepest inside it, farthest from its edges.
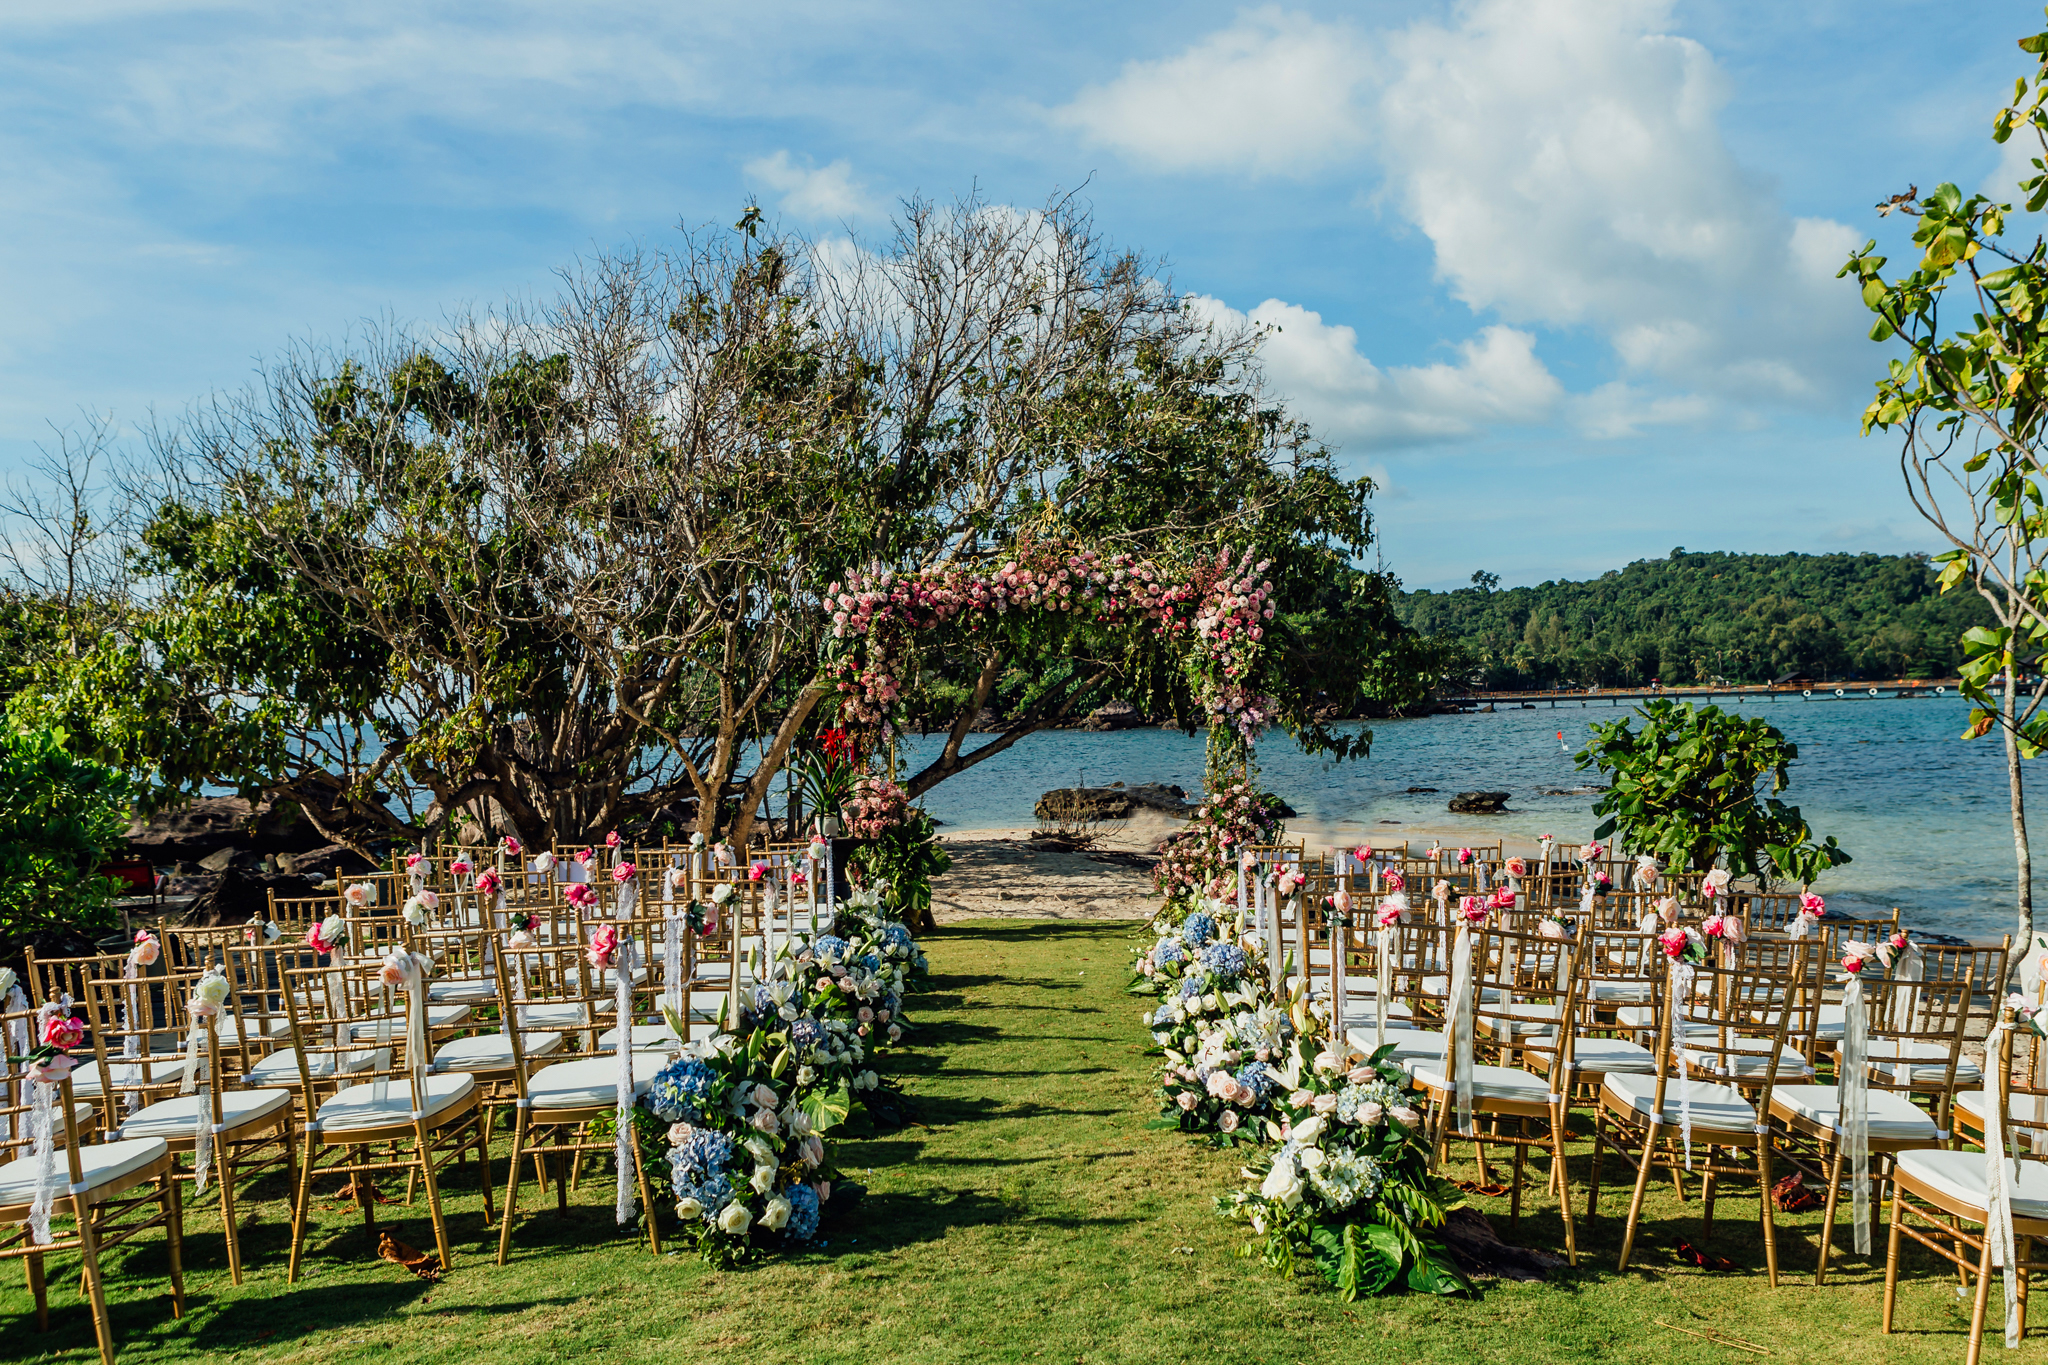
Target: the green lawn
(1031, 1217)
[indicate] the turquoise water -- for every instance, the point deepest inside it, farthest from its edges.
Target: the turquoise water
(1922, 812)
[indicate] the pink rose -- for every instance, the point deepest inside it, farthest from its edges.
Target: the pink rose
(757, 871)
(604, 945)
(1186, 1100)
(624, 873)
(767, 1121)
(1370, 1113)
(865, 1015)
(52, 1071)
(459, 868)
(511, 846)
(612, 840)
(1673, 941)
(1405, 1116)
(63, 1031)
(145, 950)
(1221, 1084)
(487, 883)
(580, 895)
(1391, 880)
(1227, 1123)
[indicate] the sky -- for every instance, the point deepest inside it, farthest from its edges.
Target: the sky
(1557, 274)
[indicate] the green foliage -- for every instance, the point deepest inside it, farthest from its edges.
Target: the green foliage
(906, 857)
(60, 818)
(1694, 617)
(1684, 786)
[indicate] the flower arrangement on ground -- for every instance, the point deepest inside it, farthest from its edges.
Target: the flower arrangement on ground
(745, 1127)
(902, 850)
(1216, 1024)
(873, 913)
(1348, 1188)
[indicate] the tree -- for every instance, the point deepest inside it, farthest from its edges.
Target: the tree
(61, 817)
(1967, 402)
(1684, 786)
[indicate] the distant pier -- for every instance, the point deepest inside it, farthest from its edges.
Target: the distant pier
(1616, 696)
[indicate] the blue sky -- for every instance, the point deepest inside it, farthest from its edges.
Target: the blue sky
(1559, 275)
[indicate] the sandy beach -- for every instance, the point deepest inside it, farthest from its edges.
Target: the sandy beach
(996, 876)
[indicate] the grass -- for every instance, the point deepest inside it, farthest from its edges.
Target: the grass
(1030, 1217)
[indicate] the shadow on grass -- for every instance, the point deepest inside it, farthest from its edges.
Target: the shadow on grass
(887, 1222)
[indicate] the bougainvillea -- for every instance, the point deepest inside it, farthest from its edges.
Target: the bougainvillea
(1219, 605)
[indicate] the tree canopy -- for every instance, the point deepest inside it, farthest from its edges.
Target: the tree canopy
(1700, 616)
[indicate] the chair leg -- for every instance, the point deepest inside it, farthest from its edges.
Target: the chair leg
(88, 1245)
(512, 1186)
(1564, 1184)
(647, 1210)
(1827, 1218)
(1979, 1302)
(1891, 1258)
(173, 1202)
(1644, 1164)
(425, 1156)
(37, 1286)
(226, 1173)
(1708, 1185)
(1763, 1166)
(1593, 1176)
(1515, 1185)
(299, 1205)
(483, 1157)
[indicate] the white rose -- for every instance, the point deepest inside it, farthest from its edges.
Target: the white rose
(1312, 1158)
(776, 1214)
(1309, 1129)
(735, 1219)
(763, 1179)
(721, 893)
(1282, 1183)
(689, 1208)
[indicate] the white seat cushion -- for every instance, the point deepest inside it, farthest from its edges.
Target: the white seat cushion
(555, 1014)
(228, 1028)
(1959, 1176)
(175, 1117)
(1525, 1020)
(1490, 1082)
(1749, 1059)
(1643, 1017)
(359, 1107)
(1598, 1056)
(1359, 1014)
(1605, 991)
(2031, 1109)
(282, 1068)
(646, 1038)
(493, 1051)
(607, 980)
(1927, 1062)
(1833, 1020)
(438, 1017)
(87, 1081)
(462, 989)
(1893, 1116)
(1408, 1046)
(590, 1082)
(1715, 1108)
(103, 1166)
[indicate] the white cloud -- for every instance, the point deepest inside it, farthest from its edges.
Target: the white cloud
(1496, 381)
(1564, 160)
(813, 191)
(1272, 93)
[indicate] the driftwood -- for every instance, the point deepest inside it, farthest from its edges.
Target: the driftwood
(1482, 1255)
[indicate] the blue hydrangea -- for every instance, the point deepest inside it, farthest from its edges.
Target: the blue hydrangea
(703, 1152)
(1226, 960)
(869, 962)
(1168, 952)
(803, 1213)
(893, 1004)
(1190, 987)
(1197, 929)
(1257, 1079)
(1162, 1015)
(896, 936)
(681, 1091)
(829, 946)
(713, 1191)
(764, 1003)
(805, 1035)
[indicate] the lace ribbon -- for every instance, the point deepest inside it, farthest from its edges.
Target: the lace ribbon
(43, 1129)
(1852, 1102)
(1997, 1193)
(1682, 977)
(17, 1039)
(1459, 1062)
(204, 1004)
(1381, 987)
(626, 1202)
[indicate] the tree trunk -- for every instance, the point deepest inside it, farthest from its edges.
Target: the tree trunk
(2023, 934)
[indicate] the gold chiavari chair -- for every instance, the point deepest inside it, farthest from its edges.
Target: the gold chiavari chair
(248, 1132)
(1937, 1192)
(1523, 984)
(394, 1115)
(1657, 1120)
(562, 1100)
(110, 1192)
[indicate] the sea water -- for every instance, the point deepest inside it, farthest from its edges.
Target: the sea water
(1923, 813)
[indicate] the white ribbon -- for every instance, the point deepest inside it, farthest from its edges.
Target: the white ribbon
(1852, 1102)
(43, 1129)
(1381, 987)
(1908, 970)
(1340, 941)
(627, 1202)
(17, 1038)
(672, 962)
(628, 899)
(1242, 886)
(1682, 976)
(1997, 1193)
(1459, 1062)
(381, 1088)
(1269, 915)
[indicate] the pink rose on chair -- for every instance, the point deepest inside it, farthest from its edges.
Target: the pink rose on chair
(1464, 857)
(756, 871)
(326, 936)
(1812, 905)
(1503, 898)
(63, 1031)
(459, 868)
(145, 950)
(1340, 901)
(580, 895)
(1393, 910)
(487, 883)
(511, 846)
(1391, 880)
(612, 840)
(1474, 908)
(413, 860)
(1518, 867)
(52, 1071)
(624, 873)
(604, 946)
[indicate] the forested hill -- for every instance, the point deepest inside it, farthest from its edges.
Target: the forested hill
(1697, 617)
